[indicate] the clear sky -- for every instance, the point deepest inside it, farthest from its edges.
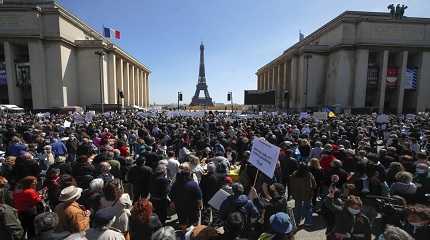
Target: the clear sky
(240, 36)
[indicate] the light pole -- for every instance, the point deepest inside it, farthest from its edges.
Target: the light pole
(101, 54)
(230, 98)
(307, 57)
(179, 98)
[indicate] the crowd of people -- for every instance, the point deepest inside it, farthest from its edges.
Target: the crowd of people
(152, 176)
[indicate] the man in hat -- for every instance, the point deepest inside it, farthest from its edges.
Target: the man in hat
(102, 229)
(72, 217)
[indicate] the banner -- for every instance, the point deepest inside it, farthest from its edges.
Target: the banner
(411, 78)
(218, 199)
(320, 115)
(264, 156)
(304, 115)
(3, 76)
(382, 118)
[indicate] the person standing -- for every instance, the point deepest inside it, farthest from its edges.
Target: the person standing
(10, 226)
(26, 199)
(302, 186)
(72, 217)
(160, 189)
(186, 197)
(140, 176)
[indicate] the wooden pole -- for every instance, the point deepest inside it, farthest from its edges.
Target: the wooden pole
(255, 179)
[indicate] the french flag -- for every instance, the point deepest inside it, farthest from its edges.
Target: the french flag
(110, 32)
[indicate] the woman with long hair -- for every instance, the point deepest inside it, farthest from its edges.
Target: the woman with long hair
(143, 221)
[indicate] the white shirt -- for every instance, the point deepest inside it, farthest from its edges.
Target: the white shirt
(172, 168)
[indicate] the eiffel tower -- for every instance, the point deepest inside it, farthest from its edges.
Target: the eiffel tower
(201, 84)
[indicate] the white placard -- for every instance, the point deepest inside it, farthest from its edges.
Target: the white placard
(218, 198)
(382, 118)
(304, 115)
(77, 118)
(67, 124)
(320, 115)
(264, 156)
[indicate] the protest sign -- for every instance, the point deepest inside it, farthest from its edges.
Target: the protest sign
(304, 115)
(382, 118)
(264, 156)
(78, 118)
(67, 124)
(89, 116)
(218, 198)
(43, 115)
(320, 115)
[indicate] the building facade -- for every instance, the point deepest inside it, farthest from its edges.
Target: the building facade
(359, 60)
(51, 59)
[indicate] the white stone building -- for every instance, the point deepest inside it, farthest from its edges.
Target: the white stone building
(48, 60)
(364, 61)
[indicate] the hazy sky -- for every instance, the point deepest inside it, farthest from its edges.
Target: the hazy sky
(240, 36)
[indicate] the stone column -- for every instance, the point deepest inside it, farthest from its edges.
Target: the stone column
(284, 79)
(383, 80)
(36, 54)
(402, 81)
(131, 86)
(264, 80)
(293, 82)
(147, 89)
(112, 88)
(273, 79)
(14, 92)
(258, 81)
(126, 72)
(423, 83)
(360, 78)
(119, 77)
(142, 88)
(278, 87)
(267, 80)
(137, 84)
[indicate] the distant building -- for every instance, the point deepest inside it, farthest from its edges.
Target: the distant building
(359, 60)
(48, 60)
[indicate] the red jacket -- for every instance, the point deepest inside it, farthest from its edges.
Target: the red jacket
(326, 160)
(26, 199)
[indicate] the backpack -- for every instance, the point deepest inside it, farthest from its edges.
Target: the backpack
(245, 216)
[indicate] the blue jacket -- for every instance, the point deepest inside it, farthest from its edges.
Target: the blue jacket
(59, 148)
